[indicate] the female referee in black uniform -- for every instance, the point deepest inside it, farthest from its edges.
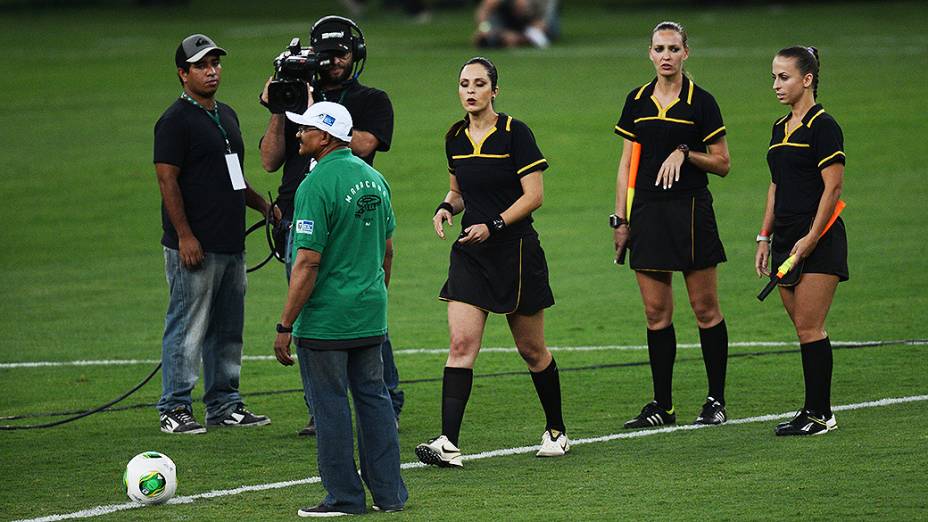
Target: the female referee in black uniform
(672, 225)
(497, 264)
(806, 159)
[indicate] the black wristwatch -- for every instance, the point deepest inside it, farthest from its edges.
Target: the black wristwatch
(685, 149)
(496, 224)
(616, 221)
(284, 329)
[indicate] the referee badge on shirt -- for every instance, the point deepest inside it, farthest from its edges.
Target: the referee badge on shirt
(304, 226)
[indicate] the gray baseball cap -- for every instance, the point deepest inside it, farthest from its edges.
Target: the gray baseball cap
(193, 48)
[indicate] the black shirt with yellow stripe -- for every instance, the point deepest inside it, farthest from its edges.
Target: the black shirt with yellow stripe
(694, 119)
(796, 158)
(489, 173)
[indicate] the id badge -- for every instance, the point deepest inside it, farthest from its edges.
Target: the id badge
(235, 171)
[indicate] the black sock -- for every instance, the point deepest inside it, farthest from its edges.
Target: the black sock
(455, 391)
(816, 370)
(714, 342)
(662, 350)
(548, 387)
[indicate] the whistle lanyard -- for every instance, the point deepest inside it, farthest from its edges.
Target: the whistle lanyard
(213, 115)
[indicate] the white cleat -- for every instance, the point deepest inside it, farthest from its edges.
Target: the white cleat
(439, 452)
(553, 444)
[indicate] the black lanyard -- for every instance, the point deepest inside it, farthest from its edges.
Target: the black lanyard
(213, 115)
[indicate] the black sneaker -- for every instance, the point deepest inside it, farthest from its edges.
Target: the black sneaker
(388, 509)
(652, 415)
(240, 417)
(713, 412)
(806, 422)
(321, 510)
(310, 429)
(181, 421)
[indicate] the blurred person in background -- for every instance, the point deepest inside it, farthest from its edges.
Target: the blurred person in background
(516, 23)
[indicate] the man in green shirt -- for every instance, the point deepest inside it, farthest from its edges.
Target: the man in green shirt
(336, 312)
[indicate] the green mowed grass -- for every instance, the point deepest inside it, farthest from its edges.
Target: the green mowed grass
(82, 270)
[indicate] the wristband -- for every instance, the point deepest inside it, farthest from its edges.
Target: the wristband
(616, 221)
(284, 329)
(444, 205)
(496, 225)
(685, 149)
(763, 237)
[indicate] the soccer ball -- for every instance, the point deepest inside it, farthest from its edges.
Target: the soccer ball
(150, 478)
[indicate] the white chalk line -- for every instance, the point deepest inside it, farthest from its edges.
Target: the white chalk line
(112, 508)
(443, 351)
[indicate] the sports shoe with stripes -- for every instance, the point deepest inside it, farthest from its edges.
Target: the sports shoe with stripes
(439, 452)
(652, 415)
(554, 443)
(180, 421)
(713, 412)
(241, 418)
(807, 422)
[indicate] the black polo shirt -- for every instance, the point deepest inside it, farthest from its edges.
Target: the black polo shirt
(693, 118)
(186, 136)
(796, 158)
(489, 173)
(371, 111)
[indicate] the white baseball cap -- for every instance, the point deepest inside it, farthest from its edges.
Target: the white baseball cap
(326, 116)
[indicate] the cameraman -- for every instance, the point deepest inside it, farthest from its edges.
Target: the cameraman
(339, 44)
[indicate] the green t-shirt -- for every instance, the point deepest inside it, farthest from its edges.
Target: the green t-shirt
(343, 211)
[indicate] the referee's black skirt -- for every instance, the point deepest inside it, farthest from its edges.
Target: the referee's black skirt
(674, 232)
(829, 256)
(506, 277)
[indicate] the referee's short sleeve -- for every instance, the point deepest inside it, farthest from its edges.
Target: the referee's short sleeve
(448, 155)
(625, 127)
(171, 139)
(827, 142)
(526, 156)
(310, 217)
(711, 127)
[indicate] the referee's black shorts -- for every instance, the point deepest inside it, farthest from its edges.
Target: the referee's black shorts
(829, 256)
(674, 232)
(503, 277)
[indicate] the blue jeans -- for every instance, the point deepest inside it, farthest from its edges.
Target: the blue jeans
(206, 314)
(331, 374)
(391, 376)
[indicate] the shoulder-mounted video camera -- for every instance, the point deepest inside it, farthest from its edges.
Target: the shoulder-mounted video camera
(293, 69)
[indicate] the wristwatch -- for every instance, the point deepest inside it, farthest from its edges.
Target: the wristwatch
(685, 149)
(616, 221)
(284, 329)
(496, 224)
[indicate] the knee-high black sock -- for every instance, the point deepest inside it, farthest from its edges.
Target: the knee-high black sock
(816, 365)
(548, 387)
(714, 343)
(455, 391)
(662, 351)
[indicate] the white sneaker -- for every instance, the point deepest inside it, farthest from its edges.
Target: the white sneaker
(553, 444)
(439, 452)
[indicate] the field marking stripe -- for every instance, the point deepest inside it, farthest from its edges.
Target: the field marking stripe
(442, 351)
(112, 508)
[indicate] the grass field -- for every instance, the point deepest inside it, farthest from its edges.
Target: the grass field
(82, 271)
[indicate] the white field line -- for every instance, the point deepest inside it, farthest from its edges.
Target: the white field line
(442, 351)
(112, 508)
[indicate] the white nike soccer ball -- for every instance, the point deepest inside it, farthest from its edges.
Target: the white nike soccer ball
(150, 478)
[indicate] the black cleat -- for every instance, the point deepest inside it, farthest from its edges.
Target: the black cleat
(652, 415)
(240, 418)
(713, 412)
(806, 422)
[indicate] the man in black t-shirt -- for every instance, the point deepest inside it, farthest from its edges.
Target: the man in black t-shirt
(372, 114)
(198, 155)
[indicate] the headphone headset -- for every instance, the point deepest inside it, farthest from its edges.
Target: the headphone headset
(358, 47)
